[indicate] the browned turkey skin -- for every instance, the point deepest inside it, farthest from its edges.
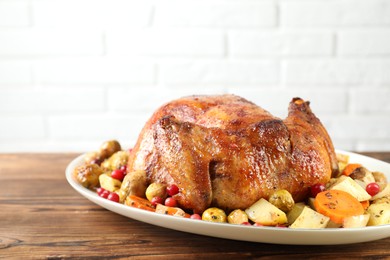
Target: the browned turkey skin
(227, 152)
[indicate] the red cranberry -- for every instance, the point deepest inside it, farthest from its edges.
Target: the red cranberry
(118, 174)
(317, 188)
(113, 197)
(196, 216)
(99, 191)
(124, 169)
(170, 202)
(105, 194)
(172, 190)
(373, 188)
(156, 200)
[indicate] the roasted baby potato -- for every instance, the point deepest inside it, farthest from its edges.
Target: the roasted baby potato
(134, 183)
(237, 216)
(214, 215)
(108, 148)
(379, 177)
(116, 161)
(88, 175)
(156, 190)
(282, 199)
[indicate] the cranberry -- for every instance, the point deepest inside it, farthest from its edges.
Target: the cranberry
(317, 188)
(156, 200)
(113, 197)
(170, 202)
(105, 194)
(373, 188)
(96, 161)
(124, 169)
(100, 190)
(118, 174)
(172, 190)
(196, 216)
(246, 223)
(281, 226)
(258, 225)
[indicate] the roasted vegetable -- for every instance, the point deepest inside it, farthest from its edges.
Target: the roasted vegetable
(356, 221)
(294, 213)
(310, 219)
(88, 175)
(134, 183)
(379, 212)
(384, 192)
(214, 215)
(138, 202)
(109, 183)
(156, 190)
(93, 158)
(379, 177)
(265, 213)
(116, 161)
(237, 216)
(282, 199)
(108, 148)
(173, 211)
(337, 205)
(350, 186)
(363, 175)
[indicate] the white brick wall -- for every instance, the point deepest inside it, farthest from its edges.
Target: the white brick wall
(74, 73)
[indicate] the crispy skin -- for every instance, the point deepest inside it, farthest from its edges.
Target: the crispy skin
(227, 152)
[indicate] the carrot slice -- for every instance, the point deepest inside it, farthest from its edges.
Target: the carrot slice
(140, 203)
(365, 204)
(173, 211)
(349, 168)
(337, 205)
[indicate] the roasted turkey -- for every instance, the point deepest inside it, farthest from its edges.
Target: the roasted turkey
(227, 152)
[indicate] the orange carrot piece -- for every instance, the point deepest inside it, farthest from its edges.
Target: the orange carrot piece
(337, 205)
(173, 211)
(140, 203)
(349, 168)
(365, 204)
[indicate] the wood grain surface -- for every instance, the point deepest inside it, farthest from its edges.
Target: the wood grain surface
(42, 217)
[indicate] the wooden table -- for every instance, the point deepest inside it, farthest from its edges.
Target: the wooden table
(41, 216)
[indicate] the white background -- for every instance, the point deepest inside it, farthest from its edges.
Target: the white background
(74, 73)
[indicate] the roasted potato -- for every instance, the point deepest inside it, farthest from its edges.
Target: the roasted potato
(379, 177)
(237, 216)
(156, 190)
(109, 183)
(108, 148)
(265, 213)
(356, 221)
(310, 219)
(362, 174)
(93, 158)
(282, 199)
(294, 213)
(116, 161)
(379, 213)
(348, 185)
(88, 175)
(134, 183)
(214, 215)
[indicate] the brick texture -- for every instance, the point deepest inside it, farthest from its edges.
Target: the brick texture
(74, 73)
